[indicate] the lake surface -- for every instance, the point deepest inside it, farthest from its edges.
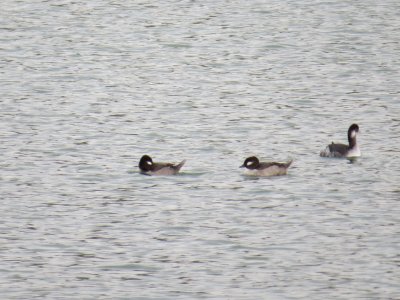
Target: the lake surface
(88, 88)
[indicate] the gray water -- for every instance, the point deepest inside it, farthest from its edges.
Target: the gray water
(88, 87)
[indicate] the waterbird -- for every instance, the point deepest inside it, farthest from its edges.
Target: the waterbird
(148, 167)
(342, 150)
(256, 168)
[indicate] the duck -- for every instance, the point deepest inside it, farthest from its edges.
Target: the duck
(341, 150)
(148, 167)
(256, 168)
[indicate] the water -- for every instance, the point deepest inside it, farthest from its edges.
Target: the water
(87, 88)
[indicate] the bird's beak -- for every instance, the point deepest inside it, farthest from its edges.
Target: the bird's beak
(242, 166)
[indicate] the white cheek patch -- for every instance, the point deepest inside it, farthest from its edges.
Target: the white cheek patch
(353, 134)
(150, 163)
(250, 163)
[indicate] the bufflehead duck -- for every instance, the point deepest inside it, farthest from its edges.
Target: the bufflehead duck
(147, 166)
(256, 168)
(342, 150)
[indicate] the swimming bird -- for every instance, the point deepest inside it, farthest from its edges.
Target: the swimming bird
(148, 167)
(256, 168)
(342, 150)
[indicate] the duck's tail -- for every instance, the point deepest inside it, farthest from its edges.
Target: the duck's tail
(289, 163)
(180, 165)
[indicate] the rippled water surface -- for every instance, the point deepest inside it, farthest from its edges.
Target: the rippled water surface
(88, 87)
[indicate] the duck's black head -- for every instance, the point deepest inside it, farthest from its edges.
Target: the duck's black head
(251, 163)
(146, 163)
(353, 127)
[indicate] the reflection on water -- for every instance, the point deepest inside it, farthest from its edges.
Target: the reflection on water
(88, 88)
